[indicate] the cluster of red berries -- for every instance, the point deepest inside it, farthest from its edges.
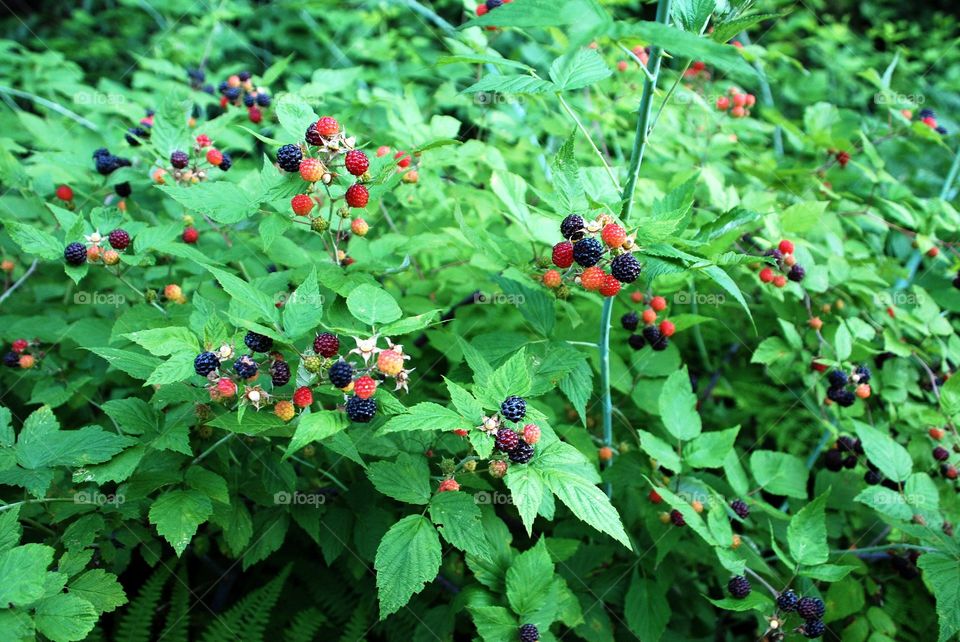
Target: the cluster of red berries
(188, 169)
(697, 70)
(642, 53)
(842, 156)
(657, 336)
(404, 162)
(737, 104)
(238, 90)
(591, 246)
(786, 263)
(94, 250)
(23, 354)
(839, 391)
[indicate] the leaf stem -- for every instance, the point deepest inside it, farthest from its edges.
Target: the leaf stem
(603, 160)
(643, 116)
(604, 346)
(209, 450)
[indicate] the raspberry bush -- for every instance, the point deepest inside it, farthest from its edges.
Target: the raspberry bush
(510, 321)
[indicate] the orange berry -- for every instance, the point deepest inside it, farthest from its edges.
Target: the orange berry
(26, 361)
(933, 252)
(697, 505)
(779, 281)
(622, 65)
(592, 278)
(359, 227)
(613, 235)
(552, 279)
(390, 362)
(658, 303)
(815, 323)
(649, 316)
(311, 170)
(636, 297)
(285, 410)
(448, 485)
(937, 433)
(863, 390)
(605, 453)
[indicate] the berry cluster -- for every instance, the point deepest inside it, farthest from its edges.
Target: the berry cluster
(786, 263)
(737, 104)
(98, 248)
(840, 392)
(225, 381)
(517, 444)
(490, 5)
(194, 167)
(811, 609)
(929, 118)
(942, 455)
(843, 157)
(136, 135)
(23, 354)
(238, 90)
(592, 246)
(404, 160)
(656, 335)
(106, 164)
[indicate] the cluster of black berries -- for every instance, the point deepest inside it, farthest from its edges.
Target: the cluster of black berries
(238, 90)
(811, 609)
(245, 366)
(198, 80)
(656, 335)
(787, 264)
(841, 383)
(106, 164)
(846, 453)
(194, 167)
(584, 248)
(507, 439)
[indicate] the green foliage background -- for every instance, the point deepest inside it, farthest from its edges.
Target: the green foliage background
(129, 515)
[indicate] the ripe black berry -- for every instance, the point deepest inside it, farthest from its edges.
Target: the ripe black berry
(75, 254)
(837, 378)
(245, 367)
(249, 100)
(205, 363)
(652, 333)
(289, 157)
(280, 373)
(941, 454)
(845, 443)
(739, 587)
(226, 162)
(11, 360)
(872, 477)
(513, 408)
(927, 113)
(232, 93)
(361, 410)
(244, 76)
(740, 508)
(810, 608)
(677, 518)
(863, 374)
(841, 396)
(493, 4)
(629, 321)
(135, 134)
(326, 344)
(586, 252)
(263, 100)
(119, 239)
(529, 633)
(258, 342)
(787, 601)
(625, 268)
(636, 341)
(833, 460)
(814, 629)
(661, 344)
(571, 225)
(796, 273)
(506, 440)
(522, 453)
(123, 190)
(850, 461)
(340, 374)
(312, 135)
(179, 159)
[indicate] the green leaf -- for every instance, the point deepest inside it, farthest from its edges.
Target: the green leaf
(458, 517)
(99, 588)
(38, 447)
(536, 307)
(475, 59)
(177, 514)
(665, 454)
(494, 623)
(941, 572)
(65, 617)
(756, 601)
(646, 608)
(772, 350)
(407, 479)
(295, 115)
(372, 305)
(578, 69)
(511, 84)
(587, 502)
(950, 397)
(209, 483)
(240, 290)
(426, 416)
(807, 533)
(678, 406)
(222, 201)
(779, 473)
(885, 453)
(163, 342)
(408, 557)
(692, 517)
(302, 310)
(802, 217)
(527, 488)
(692, 15)
(528, 580)
(22, 572)
(842, 342)
(727, 29)
(34, 241)
(316, 426)
(710, 449)
(885, 501)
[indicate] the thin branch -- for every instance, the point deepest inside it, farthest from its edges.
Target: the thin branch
(49, 104)
(19, 282)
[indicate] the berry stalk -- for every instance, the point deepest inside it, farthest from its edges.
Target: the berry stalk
(604, 346)
(643, 116)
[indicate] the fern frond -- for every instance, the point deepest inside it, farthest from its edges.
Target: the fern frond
(304, 626)
(247, 619)
(137, 621)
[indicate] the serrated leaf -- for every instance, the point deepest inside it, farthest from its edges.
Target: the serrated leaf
(316, 426)
(678, 406)
(578, 69)
(807, 533)
(408, 557)
(885, 453)
(177, 514)
(407, 479)
(458, 518)
(372, 305)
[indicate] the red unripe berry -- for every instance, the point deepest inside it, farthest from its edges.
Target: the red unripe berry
(699, 65)
(563, 254)
(383, 150)
(786, 246)
(613, 235)
(301, 204)
(481, 9)
(404, 161)
(636, 297)
(737, 44)
(779, 281)
(610, 286)
(649, 316)
(328, 126)
(255, 115)
(891, 313)
(930, 122)
(738, 112)
(552, 279)
(815, 322)
(19, 345)
(204, 141)
(592, 278)
(723, 103)
(356, 162)
(906, 113)
(311, 170)
(448, 485)
(65, 193)
(190, 235)
(531, 433)
(819, 367)
(667, 328)
(605, 453)
(214, 156)
(654, 497)
(949, 471)
(933, 252)
(364, 387)
(658, 303)
(751, 100)
(357, 195)
(766, 275)
(302, 397)
(622, 65)
(863, 390)
(739, 100)
(937, 433)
